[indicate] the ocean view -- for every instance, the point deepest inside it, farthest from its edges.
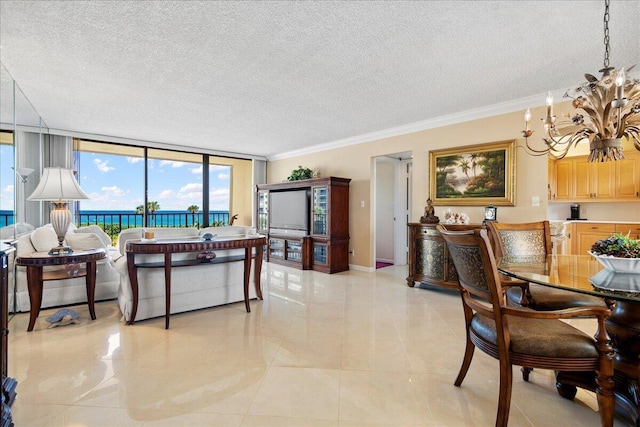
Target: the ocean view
(129, 218)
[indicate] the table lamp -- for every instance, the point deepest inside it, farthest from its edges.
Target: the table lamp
(58, 185)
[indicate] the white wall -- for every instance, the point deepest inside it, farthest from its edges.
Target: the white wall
(385, 186)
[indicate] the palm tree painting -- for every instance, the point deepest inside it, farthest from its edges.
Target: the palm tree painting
(473, 175)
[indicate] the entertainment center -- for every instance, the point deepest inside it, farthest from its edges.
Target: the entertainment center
(306, 223)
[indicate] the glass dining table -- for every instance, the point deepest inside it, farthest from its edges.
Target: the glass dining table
(585, 274)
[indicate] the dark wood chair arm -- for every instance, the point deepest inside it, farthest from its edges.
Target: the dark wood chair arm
(591, 311)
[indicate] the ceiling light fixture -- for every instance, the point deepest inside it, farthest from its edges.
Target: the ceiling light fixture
(612, 105)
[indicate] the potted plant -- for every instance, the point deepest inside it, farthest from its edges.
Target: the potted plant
(300, 173)
(618, 252)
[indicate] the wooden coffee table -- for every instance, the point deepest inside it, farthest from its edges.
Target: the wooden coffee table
(35, 262)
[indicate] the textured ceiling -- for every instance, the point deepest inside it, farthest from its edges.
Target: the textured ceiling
(266, 78)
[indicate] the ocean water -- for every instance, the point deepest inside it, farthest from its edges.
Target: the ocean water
(129, 218)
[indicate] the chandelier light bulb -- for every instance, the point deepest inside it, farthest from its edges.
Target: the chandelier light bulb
(620, 86)
(621, 78)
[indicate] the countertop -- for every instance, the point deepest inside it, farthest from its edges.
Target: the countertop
(589, 221)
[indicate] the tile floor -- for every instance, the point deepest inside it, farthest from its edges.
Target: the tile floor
(349, 349)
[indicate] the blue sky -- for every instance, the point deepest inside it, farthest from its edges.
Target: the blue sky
(116, 182)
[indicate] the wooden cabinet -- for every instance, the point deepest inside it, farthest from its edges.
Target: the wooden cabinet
(8, 384)
(627, 181)
(324, 246)
(563, 183)
(588, 233)
(581, 236)
(575, 179)
(632, 229)
(593, 180)
(429, 260)
(290, 251)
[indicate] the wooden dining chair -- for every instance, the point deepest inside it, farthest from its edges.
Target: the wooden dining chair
(532, 239)
(521, 336)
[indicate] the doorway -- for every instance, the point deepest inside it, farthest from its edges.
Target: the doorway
(392, 188)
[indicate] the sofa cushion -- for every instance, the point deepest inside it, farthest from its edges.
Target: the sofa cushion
(95, 229)
(84, 241)
(44, 238)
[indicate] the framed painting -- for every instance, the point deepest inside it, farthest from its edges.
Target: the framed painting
(473, 175)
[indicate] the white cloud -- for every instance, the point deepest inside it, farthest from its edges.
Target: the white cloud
(223, 175)
(172, 163)
(193, 186)
(8, 189)
(113, 191)
(197, 170)
(134, 159)
(102, 166)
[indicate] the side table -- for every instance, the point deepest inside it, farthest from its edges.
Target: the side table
(36, 277)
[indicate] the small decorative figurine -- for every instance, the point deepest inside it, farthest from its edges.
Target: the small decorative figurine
(429, 216)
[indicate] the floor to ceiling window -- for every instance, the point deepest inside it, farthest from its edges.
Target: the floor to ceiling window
(135, 186)
(7, 179)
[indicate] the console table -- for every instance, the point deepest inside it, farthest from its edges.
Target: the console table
(169, 247)
(35, 263)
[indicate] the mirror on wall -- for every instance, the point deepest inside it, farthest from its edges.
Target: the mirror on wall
(21, 134)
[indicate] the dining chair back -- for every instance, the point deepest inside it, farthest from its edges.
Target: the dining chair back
(520, 336)
(532, 240)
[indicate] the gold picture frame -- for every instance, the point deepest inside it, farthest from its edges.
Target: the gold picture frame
(474, 175)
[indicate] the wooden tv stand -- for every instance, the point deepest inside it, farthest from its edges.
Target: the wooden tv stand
(324, 246)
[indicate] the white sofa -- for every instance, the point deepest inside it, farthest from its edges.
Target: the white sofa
(67, 291)
(192, 287)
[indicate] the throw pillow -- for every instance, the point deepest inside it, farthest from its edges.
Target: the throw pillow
(95, 229)
(84, 241)
(43, 239)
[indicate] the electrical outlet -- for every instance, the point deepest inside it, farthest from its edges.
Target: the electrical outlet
(535, 201)
(352, 252)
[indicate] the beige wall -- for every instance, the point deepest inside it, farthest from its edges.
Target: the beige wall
(356, 162)
(242, 190)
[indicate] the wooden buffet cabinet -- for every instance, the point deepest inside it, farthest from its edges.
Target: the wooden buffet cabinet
(324, 246)
(429, 260)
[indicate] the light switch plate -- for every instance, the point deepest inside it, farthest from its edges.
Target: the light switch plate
(535, 201)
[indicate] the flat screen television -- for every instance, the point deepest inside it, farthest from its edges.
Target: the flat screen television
(289, 210)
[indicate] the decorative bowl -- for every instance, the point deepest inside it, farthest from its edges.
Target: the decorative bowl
(619, 265)
(625, 282)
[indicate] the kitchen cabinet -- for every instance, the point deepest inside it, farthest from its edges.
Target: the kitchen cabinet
(588, 233)
(627, 177)
(583, 235)
(632, 229)
(575, 179)
(562, 182)
(593, 180)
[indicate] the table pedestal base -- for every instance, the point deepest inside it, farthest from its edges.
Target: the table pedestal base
(624, 329)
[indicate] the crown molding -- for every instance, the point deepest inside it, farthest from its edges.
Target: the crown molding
(436, 122)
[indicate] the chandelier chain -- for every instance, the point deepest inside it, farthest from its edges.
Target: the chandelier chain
(606, 34)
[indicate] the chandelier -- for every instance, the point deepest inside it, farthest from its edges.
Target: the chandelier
(612, 106)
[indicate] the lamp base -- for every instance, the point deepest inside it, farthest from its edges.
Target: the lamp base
(61, 250)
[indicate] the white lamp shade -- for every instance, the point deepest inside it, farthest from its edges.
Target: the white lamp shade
(58, 184)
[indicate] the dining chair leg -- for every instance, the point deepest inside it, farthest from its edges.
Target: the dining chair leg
(525, 373)
(468, 355)
(605, 396)
(504, 398)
